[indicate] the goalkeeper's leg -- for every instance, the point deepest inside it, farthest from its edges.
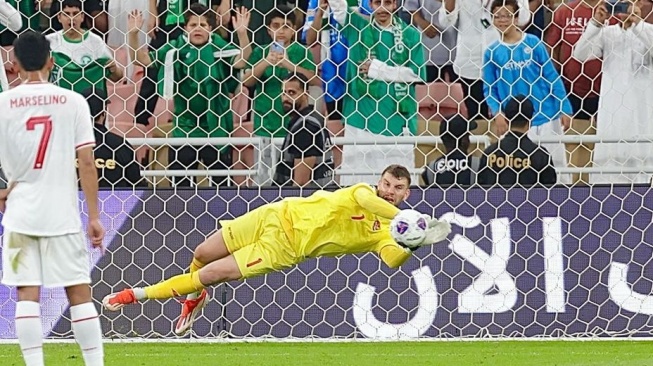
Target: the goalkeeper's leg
(222, 270)
(209, 251)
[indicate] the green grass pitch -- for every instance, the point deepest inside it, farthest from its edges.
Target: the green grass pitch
(545, 353)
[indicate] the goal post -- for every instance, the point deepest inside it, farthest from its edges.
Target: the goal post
(519, 264)
(562, 261)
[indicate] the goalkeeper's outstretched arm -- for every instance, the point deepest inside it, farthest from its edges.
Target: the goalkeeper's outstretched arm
(392, 254)
(368, 199)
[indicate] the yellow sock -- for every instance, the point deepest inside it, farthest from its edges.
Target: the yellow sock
(176, 286)
(195, 265)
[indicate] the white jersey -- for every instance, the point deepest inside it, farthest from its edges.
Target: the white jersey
(41, 128)
(90, 47)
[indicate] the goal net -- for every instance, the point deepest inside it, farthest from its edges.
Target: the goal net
(548, 261)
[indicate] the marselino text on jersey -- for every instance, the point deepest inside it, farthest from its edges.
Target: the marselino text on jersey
(37, 100)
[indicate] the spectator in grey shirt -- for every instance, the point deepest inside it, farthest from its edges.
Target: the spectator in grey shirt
(439, 41)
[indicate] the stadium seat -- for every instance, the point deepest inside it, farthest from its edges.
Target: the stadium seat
(439, 100)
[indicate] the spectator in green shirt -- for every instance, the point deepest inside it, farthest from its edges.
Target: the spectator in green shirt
(386, 61)
(197, 71)
(269, 64)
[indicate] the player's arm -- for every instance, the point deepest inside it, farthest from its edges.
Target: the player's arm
(84, 143)
(367, 198)
(4, 194)
(89, 179)
(392, 254)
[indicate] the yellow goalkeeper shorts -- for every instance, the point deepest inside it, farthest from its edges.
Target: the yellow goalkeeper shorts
(258, 242)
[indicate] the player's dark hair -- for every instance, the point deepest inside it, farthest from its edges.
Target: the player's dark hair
(398, 171)
(200, 10)
(71, 4)
(283, 12)
(31, 50)
(496, 4)
(300, 79)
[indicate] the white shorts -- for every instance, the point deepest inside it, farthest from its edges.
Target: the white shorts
(55, 261)
(373, 158)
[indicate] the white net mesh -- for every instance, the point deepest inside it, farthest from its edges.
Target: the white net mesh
(546, 261)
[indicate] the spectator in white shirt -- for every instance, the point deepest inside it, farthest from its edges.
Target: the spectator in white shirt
(473, 21)
(626, 98)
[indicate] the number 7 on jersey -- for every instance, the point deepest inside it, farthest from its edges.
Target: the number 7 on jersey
(45, 137)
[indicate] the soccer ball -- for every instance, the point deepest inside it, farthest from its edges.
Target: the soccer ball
(408, 228)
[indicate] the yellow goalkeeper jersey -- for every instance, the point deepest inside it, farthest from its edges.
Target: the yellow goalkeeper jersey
(348, 221)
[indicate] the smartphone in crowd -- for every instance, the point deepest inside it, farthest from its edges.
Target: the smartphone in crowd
(617, 7)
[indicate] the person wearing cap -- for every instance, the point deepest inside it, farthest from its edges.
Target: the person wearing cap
(456, 166)
(114, 156)
(515, 158)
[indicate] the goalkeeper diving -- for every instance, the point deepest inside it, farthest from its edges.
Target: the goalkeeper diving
(279, 235)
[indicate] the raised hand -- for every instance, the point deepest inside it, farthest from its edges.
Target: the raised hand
(601, 14)
(241, 20)
(134, 21)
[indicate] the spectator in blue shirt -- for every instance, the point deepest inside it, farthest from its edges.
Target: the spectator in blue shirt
(321, 27)
(520, 64)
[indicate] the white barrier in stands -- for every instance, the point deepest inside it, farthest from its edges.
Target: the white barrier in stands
(426, 140)
(432, 140)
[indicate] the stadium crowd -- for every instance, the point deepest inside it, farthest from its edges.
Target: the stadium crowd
(296, 74)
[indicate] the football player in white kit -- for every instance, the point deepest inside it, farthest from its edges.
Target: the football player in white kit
(43, 128)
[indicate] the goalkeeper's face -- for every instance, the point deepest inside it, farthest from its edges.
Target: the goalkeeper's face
(392, 189)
